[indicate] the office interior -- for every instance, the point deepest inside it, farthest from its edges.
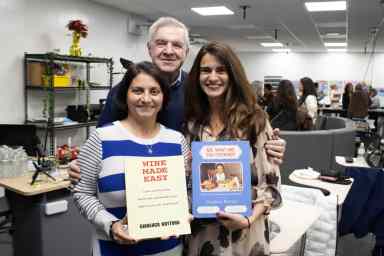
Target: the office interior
(119, 28)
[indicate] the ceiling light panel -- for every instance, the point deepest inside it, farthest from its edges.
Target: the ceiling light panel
(334, 36)
(340, 24)
(333, 44)
(258, 37)
(326, 6)
(271, 44)
(212, 10)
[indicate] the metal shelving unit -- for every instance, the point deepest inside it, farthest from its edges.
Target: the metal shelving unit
(48, 59)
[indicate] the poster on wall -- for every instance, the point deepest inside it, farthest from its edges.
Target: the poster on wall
(380, 91)
(339, 85)
(322, 89)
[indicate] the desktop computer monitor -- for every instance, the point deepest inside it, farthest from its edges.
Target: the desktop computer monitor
(20, 135)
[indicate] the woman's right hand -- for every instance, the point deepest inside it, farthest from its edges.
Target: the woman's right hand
(118, 231)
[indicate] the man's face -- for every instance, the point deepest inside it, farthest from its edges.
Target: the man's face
(168, 49)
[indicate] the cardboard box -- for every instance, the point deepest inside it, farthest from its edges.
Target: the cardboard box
(35, 71)
(58, 81)
(36, 77)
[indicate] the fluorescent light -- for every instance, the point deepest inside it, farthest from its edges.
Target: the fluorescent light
(334, 36)
(282, 50)
(335, 44)
(326, 6)
(341, 24)
(271, 44)
(337, 50)
(212, 10)
(258, 37)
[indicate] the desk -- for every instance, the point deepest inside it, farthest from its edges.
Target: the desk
(357, 162)
(36, 231)
(340, 191)
(21, 185)
(291, 230)
(373, 113)
(330, 110)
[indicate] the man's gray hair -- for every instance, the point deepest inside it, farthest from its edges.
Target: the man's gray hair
(165, 22)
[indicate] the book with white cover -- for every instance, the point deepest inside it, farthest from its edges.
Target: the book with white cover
(156, 196)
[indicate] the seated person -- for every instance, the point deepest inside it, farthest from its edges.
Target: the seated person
(359, 103)
(375, 99)
(334, 96)
(284, 112)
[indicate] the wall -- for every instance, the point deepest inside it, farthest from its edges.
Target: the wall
(39, 26)
(326, 66)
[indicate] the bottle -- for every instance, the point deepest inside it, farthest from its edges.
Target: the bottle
(361, 150)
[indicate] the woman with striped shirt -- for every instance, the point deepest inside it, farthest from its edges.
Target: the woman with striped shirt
(100, 194)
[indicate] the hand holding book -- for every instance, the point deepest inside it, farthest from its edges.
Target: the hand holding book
(119, 234)
(233, 221)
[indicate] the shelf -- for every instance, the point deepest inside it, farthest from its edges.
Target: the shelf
(65, 89)
(43, 125)
(58, 57)
(46, 65)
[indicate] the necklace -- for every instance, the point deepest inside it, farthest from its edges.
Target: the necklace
(149, 148)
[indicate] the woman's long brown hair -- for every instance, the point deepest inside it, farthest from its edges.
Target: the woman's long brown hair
(243, 118)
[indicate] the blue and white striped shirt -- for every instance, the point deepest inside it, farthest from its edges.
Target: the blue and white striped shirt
(100, 194)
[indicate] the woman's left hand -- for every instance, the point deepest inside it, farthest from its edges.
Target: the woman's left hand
(232, 221)
(190, 219)
(275, 148)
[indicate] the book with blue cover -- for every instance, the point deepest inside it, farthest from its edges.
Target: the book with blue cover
(221, 178)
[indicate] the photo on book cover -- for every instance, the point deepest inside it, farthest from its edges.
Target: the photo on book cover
(221, 177)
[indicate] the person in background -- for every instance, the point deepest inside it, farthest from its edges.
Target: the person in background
(334, 96)
(348, 91)
(268, 96)
(359, 103)
(168, 47)
(283, 112)
(375, 99)
(220, 105)
(258, 87)
(347, 95)
(100, 194)
(308, 98)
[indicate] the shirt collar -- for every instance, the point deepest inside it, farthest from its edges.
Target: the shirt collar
(177, 82)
